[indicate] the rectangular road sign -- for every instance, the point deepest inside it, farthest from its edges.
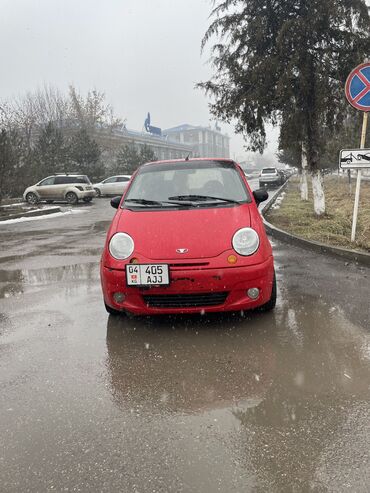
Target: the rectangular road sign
(354, 158)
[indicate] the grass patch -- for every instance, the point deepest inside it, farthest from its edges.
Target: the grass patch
(334, 228)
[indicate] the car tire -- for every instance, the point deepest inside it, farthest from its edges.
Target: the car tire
(98, 192)
(112, 311)
(32, 198)
(71, 198)
(87, 199)
(270, 305)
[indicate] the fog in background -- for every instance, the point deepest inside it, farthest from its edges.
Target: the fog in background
(144, 54)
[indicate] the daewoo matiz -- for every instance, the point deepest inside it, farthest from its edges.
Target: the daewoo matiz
(188, 238)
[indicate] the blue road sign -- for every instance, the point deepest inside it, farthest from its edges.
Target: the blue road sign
(358, 87)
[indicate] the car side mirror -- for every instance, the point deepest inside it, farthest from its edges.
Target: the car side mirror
(260, 195)
(116, 201)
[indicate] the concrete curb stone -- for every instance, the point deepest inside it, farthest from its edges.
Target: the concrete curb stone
(344, 253)
(39, 212)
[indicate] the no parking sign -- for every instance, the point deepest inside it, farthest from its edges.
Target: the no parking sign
(358, 95)
(358, 87)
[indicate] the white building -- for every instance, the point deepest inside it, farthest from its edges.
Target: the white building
(205, 141)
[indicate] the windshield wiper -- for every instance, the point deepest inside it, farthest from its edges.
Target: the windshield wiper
(200, 198)
(156, 202)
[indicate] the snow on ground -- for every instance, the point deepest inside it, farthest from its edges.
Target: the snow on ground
(16, 204)
(278, 201)
(35, 218)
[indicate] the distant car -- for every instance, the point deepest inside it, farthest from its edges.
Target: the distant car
(114, 185)
(68, 187)
(283, 176)
(187, 237)
(270, 176)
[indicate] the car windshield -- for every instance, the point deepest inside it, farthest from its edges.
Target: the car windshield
(195, 182)
(266, 171)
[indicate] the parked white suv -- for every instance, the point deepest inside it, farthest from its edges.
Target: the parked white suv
(71, 188)
(269, 176)
(114, 185)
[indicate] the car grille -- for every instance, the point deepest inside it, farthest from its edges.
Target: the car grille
(185, 300)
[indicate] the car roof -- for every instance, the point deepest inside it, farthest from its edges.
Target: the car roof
(66, 174)
(192, 160)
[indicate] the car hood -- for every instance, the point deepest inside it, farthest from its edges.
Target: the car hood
(202, 232)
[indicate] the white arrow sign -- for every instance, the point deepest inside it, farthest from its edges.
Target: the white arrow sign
(354, 158)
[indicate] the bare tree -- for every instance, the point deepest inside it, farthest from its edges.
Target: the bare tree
(92, 111)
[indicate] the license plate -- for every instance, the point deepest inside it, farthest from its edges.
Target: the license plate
(147, 274)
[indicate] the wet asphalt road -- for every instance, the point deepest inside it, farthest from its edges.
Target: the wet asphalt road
(276, 402)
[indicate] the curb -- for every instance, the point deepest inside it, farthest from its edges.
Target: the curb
(18, 200)
(343, 253)
(39, 212)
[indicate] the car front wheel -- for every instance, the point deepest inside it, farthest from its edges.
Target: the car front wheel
(32, 198)
(71, 198)
(87, 199)
(98, 192)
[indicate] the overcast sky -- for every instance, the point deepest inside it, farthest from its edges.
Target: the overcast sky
(144, 54)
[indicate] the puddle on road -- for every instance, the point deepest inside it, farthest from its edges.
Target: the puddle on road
(210, 363)
(276, 401)
(284, 388)
(16, 282)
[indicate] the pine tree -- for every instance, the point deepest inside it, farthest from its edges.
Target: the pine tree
(5, 162)
(13, 175)
(129, 158)
(146, 155)
(84, 155)
(49, 154)
(286, 62)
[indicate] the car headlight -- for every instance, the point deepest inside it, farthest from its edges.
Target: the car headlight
(246, 241)
(121, 246)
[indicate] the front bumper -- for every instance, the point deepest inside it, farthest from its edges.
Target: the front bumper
(234, 281)
(269, 181)
(86, 193)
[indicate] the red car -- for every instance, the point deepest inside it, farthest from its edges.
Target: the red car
(188, 238)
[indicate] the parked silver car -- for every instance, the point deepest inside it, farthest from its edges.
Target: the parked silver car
(270, 176)
(71, 188)
(114, 185)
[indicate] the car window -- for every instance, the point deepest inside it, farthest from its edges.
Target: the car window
(47, 181)
(80, 179)
(122, 178)
(268, 170)
(60, 180)
(211, 178)
(113, 179)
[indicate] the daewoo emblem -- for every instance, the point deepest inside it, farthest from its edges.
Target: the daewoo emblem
(182, 250)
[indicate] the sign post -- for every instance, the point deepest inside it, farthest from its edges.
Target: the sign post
(358, 183)
(358, 95)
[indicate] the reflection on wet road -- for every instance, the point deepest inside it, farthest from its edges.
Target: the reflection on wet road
(276, 402)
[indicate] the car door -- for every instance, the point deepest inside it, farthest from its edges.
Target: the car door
(121, 184)
(108, 186)
(45, 188)
(60, 185)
